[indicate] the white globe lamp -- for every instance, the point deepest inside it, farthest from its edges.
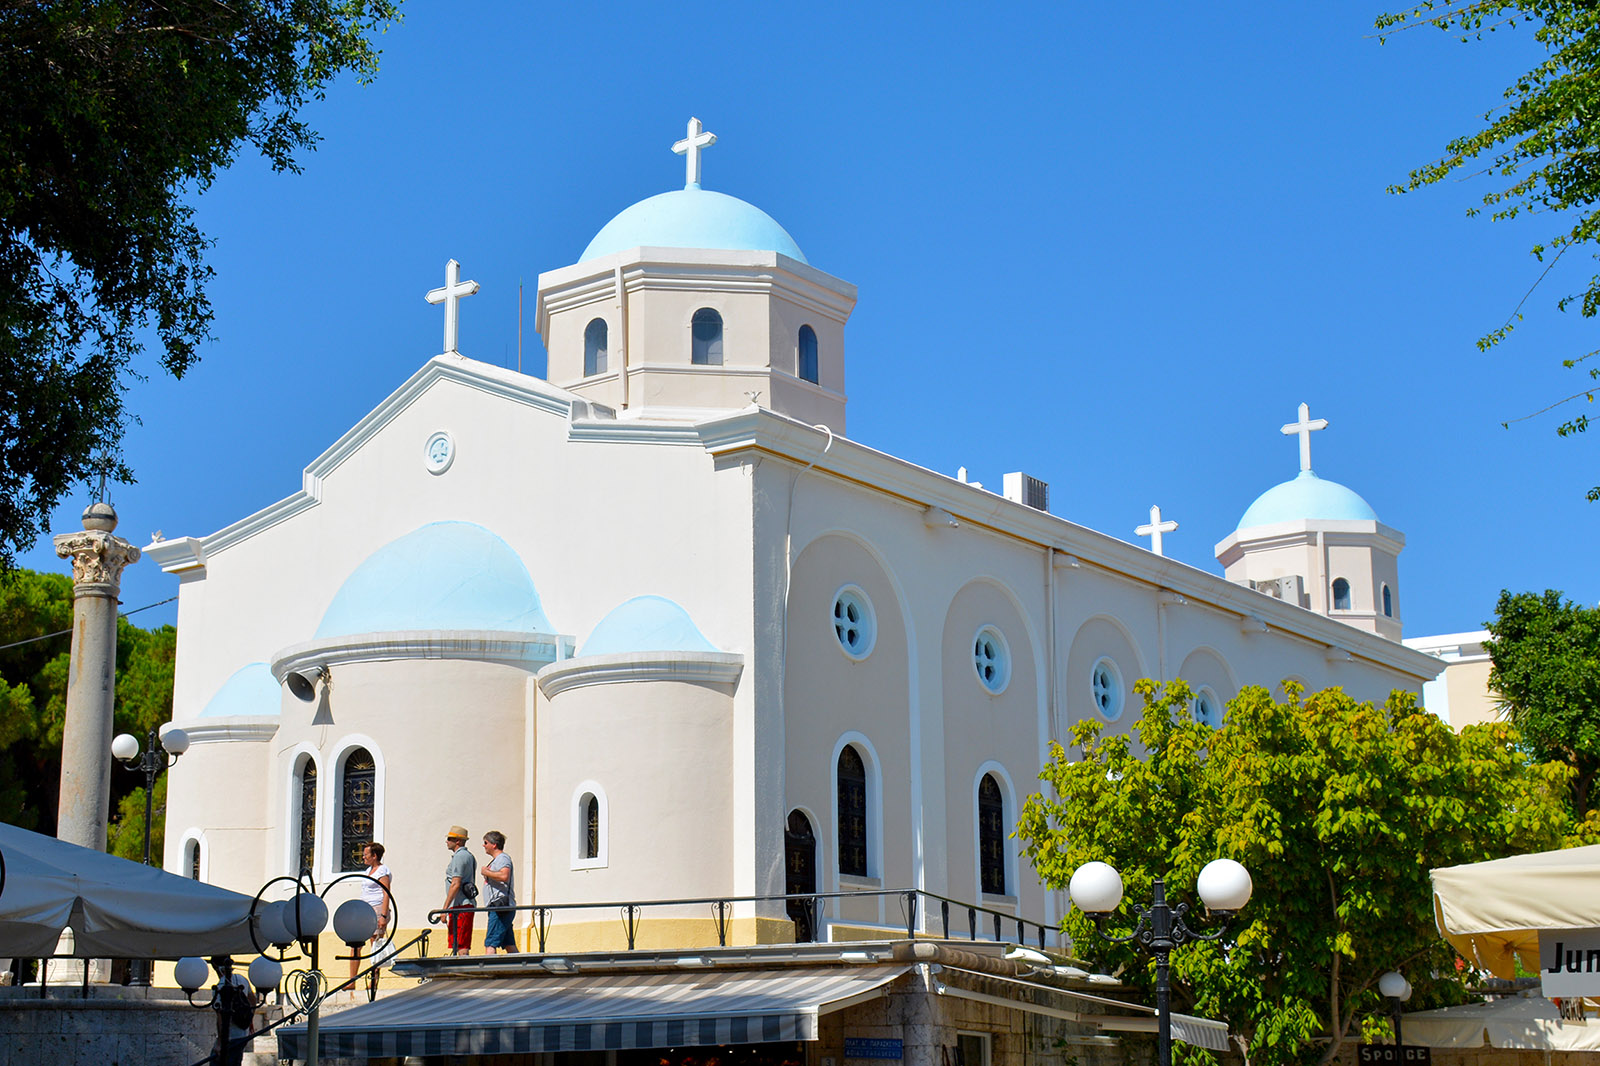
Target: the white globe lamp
(1224, 886)
(271, 924)
(125, 748)
(175, 740)
(306, 915)
(354, 922)
(265, 973)
(1394, 985)
(1096, 888)
(191, 974)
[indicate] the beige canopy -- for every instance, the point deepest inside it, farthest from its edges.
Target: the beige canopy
(1531, 1023)
(1493, 911)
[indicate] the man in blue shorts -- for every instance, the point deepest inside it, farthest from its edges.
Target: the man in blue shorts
(498, 892)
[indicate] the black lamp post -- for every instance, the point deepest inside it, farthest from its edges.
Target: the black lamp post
(1396, 989)
(1224, 887)
(161, 751)
(231, 998)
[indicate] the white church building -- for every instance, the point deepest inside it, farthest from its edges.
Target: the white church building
(659, 620)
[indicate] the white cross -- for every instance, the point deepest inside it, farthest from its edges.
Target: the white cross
(1155, 529)
(450, 295)
(1304, 428)
(690, 148)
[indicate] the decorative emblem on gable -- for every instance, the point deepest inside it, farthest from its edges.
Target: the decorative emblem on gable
(439, 452)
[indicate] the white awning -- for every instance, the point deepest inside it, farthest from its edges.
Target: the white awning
(593, 1012)
(1088, 1009)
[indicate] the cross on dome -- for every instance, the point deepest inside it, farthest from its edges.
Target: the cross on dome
(1304, 428)
(450, 295)
(1155, 529)
(690, 148)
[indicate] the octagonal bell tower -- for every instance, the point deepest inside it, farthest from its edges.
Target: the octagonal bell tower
(693, 301)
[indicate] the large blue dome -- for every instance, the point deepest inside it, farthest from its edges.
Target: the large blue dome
(646, 623)
(1307, 497)
(447, 575)
(693, 218)
(251, 691)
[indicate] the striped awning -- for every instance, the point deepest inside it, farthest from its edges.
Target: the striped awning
(593, 1012)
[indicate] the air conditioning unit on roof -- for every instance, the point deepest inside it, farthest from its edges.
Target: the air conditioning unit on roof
(1289, 589)
(1030, 491)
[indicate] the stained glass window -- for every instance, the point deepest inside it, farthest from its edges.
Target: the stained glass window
(852, 813)
(308, 815)
(991, 836)
(356, 806)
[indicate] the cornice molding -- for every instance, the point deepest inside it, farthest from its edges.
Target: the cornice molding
(1364, 533)
(703, 667)
(251, 729)
(526, 650)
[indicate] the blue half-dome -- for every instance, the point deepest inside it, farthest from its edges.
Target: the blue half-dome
(252, 690)
(693, 218)
(1307, 497)
(646, 623)
(447, 575)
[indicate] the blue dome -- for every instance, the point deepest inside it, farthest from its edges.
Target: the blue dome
(447, 575)
(1307, 497)
(646, 623)
(693, 218)
(252, 690)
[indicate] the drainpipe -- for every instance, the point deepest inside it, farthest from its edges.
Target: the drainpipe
(622, 322)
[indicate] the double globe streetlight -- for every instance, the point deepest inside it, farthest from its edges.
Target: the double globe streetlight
(1394, 987)
(162, 748)
(1224, 887)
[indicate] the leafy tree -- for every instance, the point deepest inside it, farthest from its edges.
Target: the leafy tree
(1546, 656)
(33, 702)
(1337, 808)
(1543, 147)
(117, 111)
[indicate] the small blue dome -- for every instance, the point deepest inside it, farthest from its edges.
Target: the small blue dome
(646, 623)
(252, 690)
(1307, 497)
(447, 575)
(693, 218)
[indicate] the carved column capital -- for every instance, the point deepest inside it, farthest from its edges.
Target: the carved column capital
(98, 559)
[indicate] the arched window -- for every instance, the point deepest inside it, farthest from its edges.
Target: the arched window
(707, 330)
(594, 348)
(1388, 603)
(191, 858)
(308, 815)
(991, 836)
(1341, 594)
(806, 360)
(356, 808)
(800, 875)
(852, 813)
(591, 827)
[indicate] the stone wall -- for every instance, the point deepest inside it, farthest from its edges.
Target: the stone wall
(66, 1030)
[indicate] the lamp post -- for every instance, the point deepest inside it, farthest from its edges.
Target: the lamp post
(161, 751)
(1224, 887)
(1396, 989)
(232, 1000)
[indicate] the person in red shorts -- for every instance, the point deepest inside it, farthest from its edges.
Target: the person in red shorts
(461, 891)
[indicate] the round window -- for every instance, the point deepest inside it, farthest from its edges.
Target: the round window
(1207, 709)
(1105, 682)
(991, 659)
(853, 622)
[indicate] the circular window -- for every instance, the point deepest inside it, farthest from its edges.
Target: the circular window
(439, 452)
(1208, 709)
(853, 622)
(991, 659)
(1105, 681)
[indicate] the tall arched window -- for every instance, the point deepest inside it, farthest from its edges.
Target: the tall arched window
(1388, 602)
(590, 815)
(594, 348)
(707, 330)
(806, 361)
(308, 815)
(991, 836)
(1341, 594)
(191, 858)
(356, 808)
(800, 875)
(852, 813)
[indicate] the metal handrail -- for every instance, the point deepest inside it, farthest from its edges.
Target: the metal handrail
(631, 912)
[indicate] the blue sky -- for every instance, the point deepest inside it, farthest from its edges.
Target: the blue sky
(1113, 247)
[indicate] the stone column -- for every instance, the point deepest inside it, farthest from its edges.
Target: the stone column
(98, 559)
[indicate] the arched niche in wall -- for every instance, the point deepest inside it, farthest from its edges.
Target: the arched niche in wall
(1090, 689)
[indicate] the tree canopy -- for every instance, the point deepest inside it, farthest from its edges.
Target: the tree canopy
(1542, 148)
(33, 702)
(1337, 808)
(1546, 672)
(117, 112)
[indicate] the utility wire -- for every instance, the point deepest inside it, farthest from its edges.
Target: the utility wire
(64, 632)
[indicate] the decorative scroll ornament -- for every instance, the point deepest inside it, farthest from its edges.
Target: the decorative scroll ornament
(98, 560)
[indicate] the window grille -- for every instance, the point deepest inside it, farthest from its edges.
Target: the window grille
(991, 836)
(308, 815)
(356, 819)
(852, 813)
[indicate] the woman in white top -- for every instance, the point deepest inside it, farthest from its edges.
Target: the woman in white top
(372, 855)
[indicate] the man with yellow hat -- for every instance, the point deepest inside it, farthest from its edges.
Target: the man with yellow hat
(461, 891)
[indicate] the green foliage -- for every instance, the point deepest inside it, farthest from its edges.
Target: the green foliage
(1546, 655)
(1337, 808)
(1543, 146)
(116, 112)
(33, 700)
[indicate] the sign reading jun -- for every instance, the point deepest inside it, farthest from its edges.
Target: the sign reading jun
(1569, 962)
